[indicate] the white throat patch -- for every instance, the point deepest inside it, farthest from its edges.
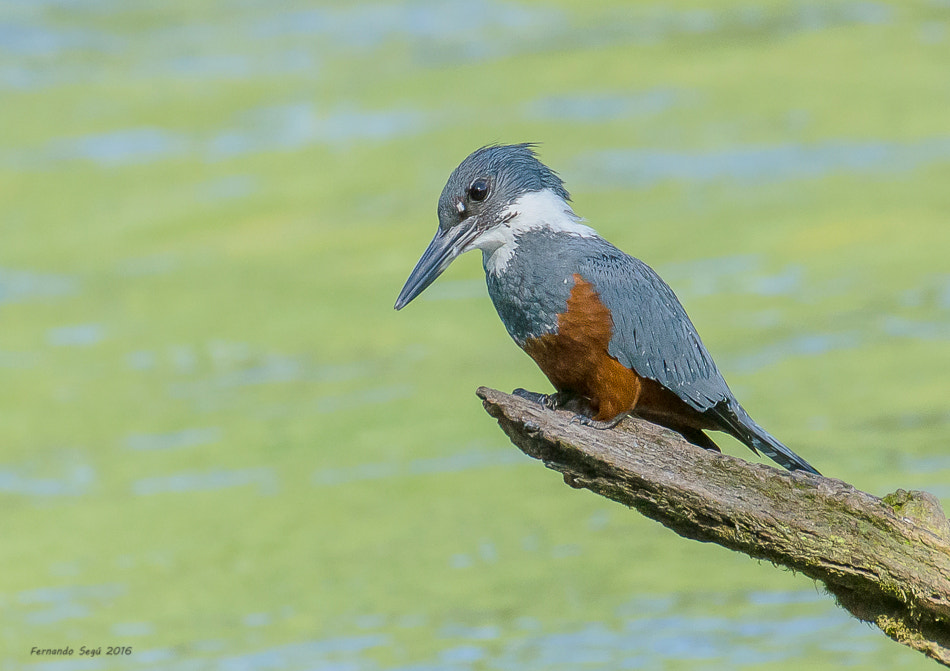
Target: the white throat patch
(536, 210)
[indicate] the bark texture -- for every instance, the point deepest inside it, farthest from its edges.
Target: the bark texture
(886, 560)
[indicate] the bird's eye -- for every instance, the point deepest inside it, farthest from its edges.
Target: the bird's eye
(478, 191)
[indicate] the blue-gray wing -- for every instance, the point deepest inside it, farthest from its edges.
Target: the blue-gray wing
(652, 333)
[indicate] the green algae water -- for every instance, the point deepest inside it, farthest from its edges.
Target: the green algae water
(221, 448)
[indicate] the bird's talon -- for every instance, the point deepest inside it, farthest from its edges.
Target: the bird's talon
(556, 401)
(596, 424)
(533, 396)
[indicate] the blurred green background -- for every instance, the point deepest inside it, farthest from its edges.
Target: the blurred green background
(222, 447)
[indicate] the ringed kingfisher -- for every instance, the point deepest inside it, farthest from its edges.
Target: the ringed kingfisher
(600, 324)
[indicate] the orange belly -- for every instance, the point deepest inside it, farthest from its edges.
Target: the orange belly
(577, 359)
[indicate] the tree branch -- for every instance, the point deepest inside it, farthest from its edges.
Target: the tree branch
(886, 561)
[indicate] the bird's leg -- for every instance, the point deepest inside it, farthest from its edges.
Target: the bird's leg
(568, 400)
(536, 397)
(584, 420)
(556, 401)
(571, 401)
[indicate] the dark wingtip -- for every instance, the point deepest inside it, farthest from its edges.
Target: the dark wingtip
(740, 425)
(780, 454)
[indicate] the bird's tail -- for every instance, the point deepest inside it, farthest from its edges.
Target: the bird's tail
(744, 428)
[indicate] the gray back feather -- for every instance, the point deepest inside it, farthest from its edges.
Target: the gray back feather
(652, 333)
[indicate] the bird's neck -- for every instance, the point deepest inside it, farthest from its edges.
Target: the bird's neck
(534, 211)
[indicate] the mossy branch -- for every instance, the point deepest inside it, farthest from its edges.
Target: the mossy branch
(886, 561)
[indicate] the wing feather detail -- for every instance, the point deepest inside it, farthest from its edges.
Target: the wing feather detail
(652, 333)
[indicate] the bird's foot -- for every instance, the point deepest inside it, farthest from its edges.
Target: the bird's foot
(556, 401)
(584, 420)
(534, 396)
(565, 400)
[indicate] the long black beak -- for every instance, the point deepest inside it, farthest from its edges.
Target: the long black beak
(445, 246)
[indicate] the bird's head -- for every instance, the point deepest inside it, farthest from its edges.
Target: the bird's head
(475, 202)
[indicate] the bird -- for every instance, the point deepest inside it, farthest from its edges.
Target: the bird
(602, 326)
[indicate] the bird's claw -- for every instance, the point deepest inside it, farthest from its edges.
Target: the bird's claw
(563, 400)
(584, 420)
(554, 401)
(536, 397)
